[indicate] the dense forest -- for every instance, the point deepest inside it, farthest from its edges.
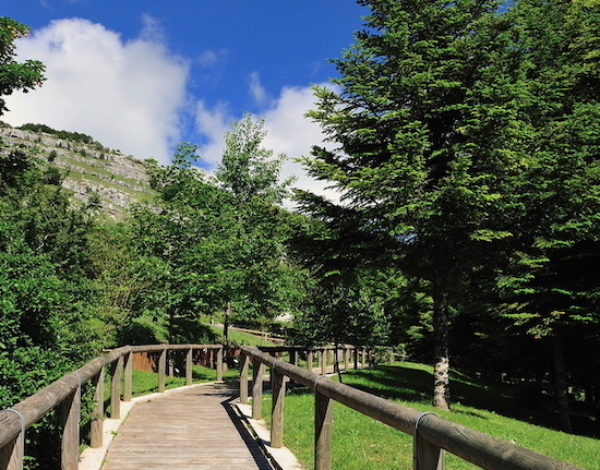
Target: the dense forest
(463, 140)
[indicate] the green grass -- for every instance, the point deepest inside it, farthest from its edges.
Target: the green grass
(360, 442)
(147, 382)
(241, 338)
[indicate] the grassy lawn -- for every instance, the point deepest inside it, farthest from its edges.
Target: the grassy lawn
(147, 382)
(241, 338)
(360, 442)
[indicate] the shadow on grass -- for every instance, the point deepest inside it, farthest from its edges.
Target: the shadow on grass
(410, 385)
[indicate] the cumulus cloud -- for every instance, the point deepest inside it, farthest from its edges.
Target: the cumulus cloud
(288, 131)
(126, 94)
(212, 124)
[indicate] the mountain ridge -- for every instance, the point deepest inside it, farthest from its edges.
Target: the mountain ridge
(87, 168)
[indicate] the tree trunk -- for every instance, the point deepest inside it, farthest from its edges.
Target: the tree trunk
(560, 383)
(441, 368)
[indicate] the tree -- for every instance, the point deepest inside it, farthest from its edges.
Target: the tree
(552, 282)
(23, 76)
(423, 122)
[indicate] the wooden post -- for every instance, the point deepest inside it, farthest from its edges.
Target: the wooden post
(363, 358)
(355, 357)
(278, 388)
(258, 369)
(294, 357)
(162, 364)
(425, 455)
(11, 455)
(309, 360)
(115, 388)
(188, 366)
(323, 357)
(69, 414)
(220, 364)
(346, 359)
(97, 421)
(323, 415)
(244, 378)
(128, 379)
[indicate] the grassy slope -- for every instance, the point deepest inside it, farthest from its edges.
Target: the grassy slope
(147, 382)
(360, 442)
(241, 338)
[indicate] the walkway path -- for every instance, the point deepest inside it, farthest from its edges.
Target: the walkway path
(191, 429)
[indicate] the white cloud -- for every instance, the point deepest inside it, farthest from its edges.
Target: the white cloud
(288, 131)
(127, 95)
(212, 124)
(210, 57)
(257, 91)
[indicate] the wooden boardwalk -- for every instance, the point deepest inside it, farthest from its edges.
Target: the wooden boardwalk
(189, 429)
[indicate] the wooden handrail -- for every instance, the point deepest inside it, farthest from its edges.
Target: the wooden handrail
(434, 433)
(65, 393)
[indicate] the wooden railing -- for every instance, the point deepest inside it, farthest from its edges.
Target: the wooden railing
(65, 394)
(431, 434)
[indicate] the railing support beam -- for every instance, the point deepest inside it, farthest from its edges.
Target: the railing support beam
(97, 422)
(115, 388)
(258, 369)
(162, 364)
(220, 364)
(323, 418)
(244, 378)
(69, 415)
(278, 388)
(128, 378)
(188, 366)
(11, 455)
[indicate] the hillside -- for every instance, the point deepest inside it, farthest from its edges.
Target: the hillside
(87, 166)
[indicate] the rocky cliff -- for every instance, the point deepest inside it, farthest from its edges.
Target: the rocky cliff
(89, 169)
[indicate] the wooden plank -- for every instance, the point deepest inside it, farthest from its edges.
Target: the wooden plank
(309, 360)
(323, 419)
(115, 388)
(278, 388)
(69, 415)
(188, 429)
(97, 421)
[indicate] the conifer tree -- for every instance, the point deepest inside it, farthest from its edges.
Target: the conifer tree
(421, 122)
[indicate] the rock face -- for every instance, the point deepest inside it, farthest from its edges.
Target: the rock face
(88, 169)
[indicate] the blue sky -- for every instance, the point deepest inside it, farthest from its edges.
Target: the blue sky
(203, 63)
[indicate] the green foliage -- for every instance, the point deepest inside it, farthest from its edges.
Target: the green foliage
(23, 76)
(47, 326)
(66, 135)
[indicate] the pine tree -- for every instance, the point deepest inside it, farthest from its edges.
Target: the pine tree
(423, 118)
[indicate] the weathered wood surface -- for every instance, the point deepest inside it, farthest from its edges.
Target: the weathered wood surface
(189, 429)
